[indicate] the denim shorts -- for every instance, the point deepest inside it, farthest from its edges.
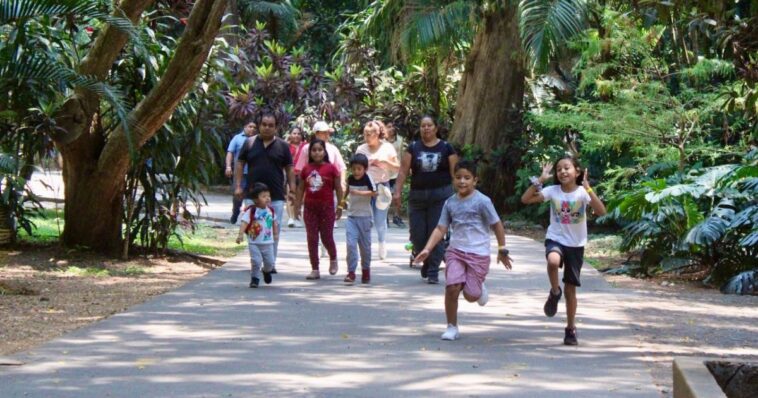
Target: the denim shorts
(572, 257)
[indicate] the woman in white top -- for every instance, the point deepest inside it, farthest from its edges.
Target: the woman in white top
(382, 164)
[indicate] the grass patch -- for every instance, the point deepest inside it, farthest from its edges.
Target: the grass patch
(87, 271)
(602, 251)
(47, 228)
(206, 240)
(209, 241)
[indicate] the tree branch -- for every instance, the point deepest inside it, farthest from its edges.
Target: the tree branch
(76, 113)
(150, 114)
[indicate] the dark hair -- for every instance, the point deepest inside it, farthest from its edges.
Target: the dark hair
(360, 159)
(466, 164)
(257, 190)
(441, 131)
(575, 162)
(430, 117)
(323, 145)
(269, 114)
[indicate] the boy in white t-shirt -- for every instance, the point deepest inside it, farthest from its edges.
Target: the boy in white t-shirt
(567, 233)
(258, 222)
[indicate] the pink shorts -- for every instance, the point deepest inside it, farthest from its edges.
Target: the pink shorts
(467, 268)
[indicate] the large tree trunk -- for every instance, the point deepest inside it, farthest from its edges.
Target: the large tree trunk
(488, 111)
(94, 167)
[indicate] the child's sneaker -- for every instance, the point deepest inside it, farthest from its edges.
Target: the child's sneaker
(365, 276)
(313, 275)
(267, 277)
(254, 282)
(570, 338)
(333, 267)
(451, 333)
(432, 280)
(350, 278)
(484, 297)
(551, 305)
(291, 223)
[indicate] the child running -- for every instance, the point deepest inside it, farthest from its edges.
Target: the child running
(258, 222)
(567, 233)
(470, 214)
(359, 218)
(321, 180)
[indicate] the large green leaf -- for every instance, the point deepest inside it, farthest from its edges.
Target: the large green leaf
(14, 10)
(547, 25)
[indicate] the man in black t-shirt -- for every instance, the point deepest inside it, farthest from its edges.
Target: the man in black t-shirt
(269, 159)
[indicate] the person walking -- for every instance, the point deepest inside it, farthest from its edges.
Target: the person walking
(269, 160)
(296, 142)
(259, 224)
(566, 236)
(232, 153)
(382, 162)
(399, 143)
(471, 215)
(361, 190)
(430, 162)
(320, 180)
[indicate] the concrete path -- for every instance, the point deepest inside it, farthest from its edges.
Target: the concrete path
(215, 337)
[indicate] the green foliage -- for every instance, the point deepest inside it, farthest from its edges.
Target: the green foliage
(546, 26)
(706, 216)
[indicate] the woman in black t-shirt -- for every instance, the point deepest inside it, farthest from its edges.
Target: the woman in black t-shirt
(430, 161)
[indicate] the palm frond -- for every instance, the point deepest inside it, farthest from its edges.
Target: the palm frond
(546, 26)
(14, 10)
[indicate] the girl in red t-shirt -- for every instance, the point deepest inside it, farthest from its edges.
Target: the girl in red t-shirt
(320, 180)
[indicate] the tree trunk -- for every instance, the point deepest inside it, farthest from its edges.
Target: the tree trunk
(94, 168)
(488, 111)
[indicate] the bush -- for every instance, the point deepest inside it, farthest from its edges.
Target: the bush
(707, 217)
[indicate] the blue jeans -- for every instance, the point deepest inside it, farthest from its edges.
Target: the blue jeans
(380, 218)
(424, 209)
(358, 233)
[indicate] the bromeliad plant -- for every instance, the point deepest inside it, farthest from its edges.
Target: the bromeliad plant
(707, 217)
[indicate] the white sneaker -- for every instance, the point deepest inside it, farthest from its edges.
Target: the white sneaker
(298, 223)
(382, 250)
(291, 223)
(484, 297)
(451, 333)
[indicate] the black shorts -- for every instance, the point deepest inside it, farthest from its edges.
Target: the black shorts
(572, 257)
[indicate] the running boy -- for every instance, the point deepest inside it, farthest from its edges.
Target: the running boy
(359, 218)
(258, 222)
(471, 215)
(567, 233)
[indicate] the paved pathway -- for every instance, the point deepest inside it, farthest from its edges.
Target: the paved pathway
(215, 337)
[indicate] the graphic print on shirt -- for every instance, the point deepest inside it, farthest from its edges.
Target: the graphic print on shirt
(430, 161)
(567, 212)
(262, 222)
(314, 181)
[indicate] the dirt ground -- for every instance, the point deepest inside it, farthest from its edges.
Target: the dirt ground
(46, 292)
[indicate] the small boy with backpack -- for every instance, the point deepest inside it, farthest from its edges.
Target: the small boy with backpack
(259, 223)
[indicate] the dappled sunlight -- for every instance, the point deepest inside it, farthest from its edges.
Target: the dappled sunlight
(323, 338)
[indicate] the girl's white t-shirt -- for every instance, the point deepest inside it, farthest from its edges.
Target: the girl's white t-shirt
(385, 152)
(568, 215)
